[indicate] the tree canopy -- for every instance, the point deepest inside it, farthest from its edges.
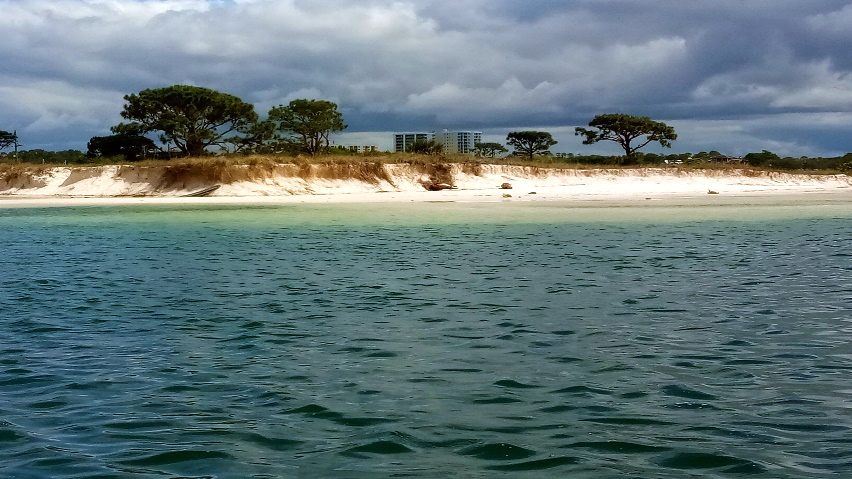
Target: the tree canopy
(53, 157)
(260, 137)
(426, 147)
(764, 158)
(530, 143)
(131, 147)
(307, 122)
(625, 129)
(8, 139)
(190, 118)
(490, 149)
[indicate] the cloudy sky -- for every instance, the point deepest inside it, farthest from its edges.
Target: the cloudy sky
(731, 75)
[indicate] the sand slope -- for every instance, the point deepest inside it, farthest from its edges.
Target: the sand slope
(407, 182)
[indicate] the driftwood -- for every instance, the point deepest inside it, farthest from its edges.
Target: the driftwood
(203, 192)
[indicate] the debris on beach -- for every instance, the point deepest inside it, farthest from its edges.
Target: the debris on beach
(202, 192)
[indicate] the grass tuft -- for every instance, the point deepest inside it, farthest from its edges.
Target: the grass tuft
(23, 174)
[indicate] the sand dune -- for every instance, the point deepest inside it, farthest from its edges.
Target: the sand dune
(404, 182)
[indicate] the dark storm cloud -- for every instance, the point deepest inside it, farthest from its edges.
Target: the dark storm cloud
(720, 68)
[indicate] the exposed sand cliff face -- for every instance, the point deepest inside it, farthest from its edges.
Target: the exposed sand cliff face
(287, 180)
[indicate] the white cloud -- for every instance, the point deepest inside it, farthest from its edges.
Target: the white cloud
(52, 105)
(450, 101)
(823, 88)
(836, 22)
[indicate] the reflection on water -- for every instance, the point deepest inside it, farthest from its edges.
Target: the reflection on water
(375, 341)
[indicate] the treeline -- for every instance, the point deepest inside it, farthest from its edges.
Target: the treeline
(67, 157)
(763, 159)
(197, 121)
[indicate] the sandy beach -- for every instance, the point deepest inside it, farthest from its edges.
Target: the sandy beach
(107, 185)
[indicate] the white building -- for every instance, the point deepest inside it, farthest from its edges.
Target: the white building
(404, 141)
(458, 141)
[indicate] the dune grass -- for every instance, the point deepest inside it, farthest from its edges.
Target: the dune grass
(23, 173)
(232, 169)
(372, 169)
(228, 170)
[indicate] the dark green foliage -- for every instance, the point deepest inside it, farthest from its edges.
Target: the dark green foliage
(190, 118)
(764, 158)
(787, 163)
(259, 138)
(8, 139)
(489, 149)
(706, 155)
(426, 147)
(530, 143)
(53, 157)
(131, 147)
(624, 130)
(840, 163)
(307, 123)
(768, 159)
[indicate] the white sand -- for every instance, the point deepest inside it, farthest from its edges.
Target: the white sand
(104, 185)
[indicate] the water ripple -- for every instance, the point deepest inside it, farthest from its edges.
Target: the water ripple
(294, 341)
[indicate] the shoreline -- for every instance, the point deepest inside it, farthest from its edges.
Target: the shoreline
(552, 196)
(93, 186)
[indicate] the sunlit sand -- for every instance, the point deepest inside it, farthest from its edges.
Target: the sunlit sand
(641, 187)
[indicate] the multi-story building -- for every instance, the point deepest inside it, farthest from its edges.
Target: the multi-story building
(404, 141)
(452, 141)
(458, 141)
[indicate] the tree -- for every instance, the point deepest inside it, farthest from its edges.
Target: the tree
(258, 138)
(489, 149)
(8, 139)
(308, 122)
(192, 118)
(530, 143)
(624, 129)
(426, 147)
(131, 147)
(52, 157)
(764, 158)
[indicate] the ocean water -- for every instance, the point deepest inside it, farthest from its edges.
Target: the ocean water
(426, 341)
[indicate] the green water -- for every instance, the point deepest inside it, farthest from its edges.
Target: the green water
(428, 340)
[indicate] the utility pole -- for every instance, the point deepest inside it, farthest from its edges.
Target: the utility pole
(15, 135)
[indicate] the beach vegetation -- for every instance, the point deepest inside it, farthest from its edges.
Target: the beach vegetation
(181, 172)
(306, 124)
(426, 147)
(764, 158)
(771, 161)
(817, 165)
(530, 143)
(625, 130)
(440, 175)
(44, 157)
(189, 119)
(489, 149)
